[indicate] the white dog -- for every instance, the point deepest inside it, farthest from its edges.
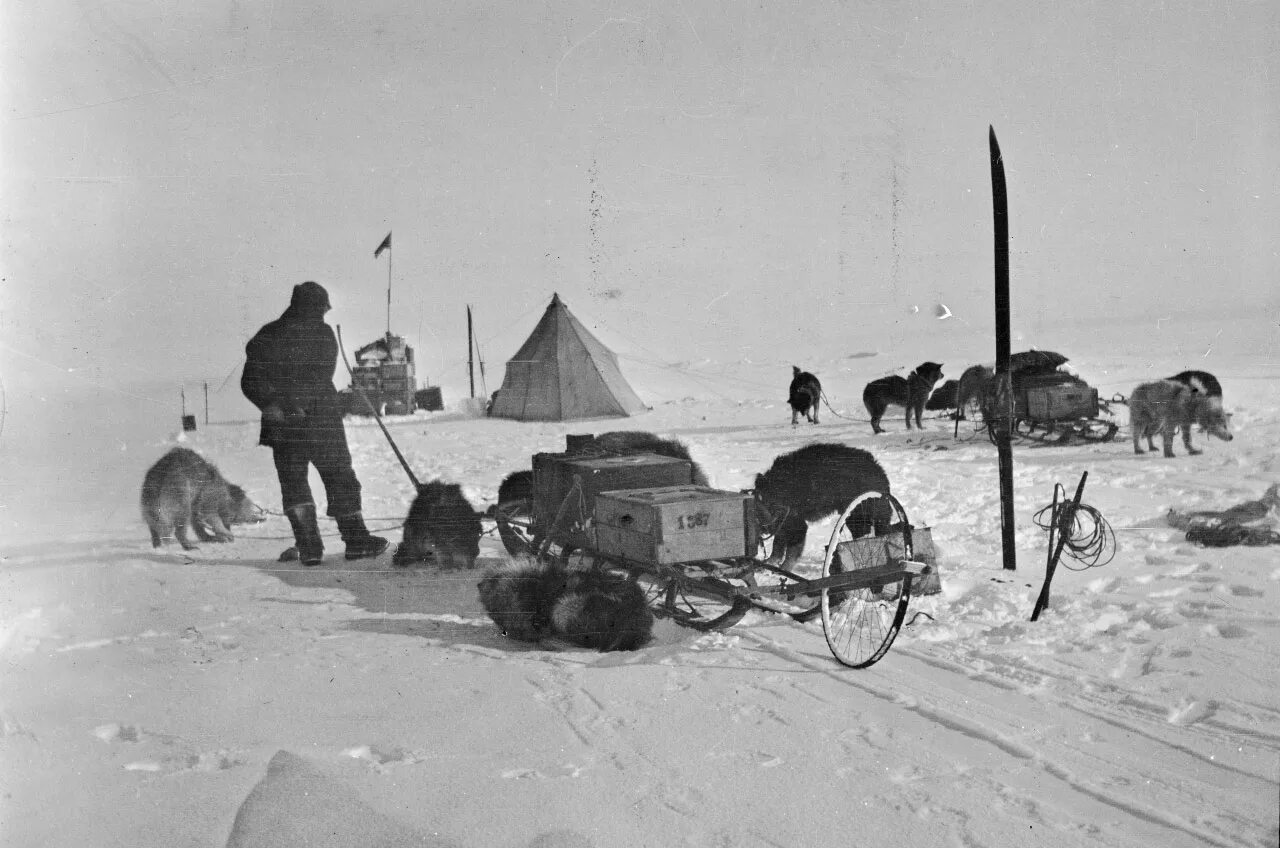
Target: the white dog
(1165, 405)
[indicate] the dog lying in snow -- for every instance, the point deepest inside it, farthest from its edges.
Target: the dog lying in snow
(531, 600)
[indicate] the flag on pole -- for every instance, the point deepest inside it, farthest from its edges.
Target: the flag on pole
(386, 245)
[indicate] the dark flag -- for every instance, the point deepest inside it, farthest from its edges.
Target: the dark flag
(386, 245)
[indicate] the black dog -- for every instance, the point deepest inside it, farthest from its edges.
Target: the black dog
(911, 392)
(532, 600)
(1201, 382)
(442, 525)
(813, 482)
(803, 395)
(943, 397)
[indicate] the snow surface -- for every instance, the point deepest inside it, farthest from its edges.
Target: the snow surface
(144, 693)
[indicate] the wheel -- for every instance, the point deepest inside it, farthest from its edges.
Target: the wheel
(514, 519)
(690, 601)
(861, 624)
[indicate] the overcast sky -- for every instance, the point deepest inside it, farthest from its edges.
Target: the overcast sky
(694, 178)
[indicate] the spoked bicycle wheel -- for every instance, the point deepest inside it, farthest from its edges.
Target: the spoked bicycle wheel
(683, 600)
(861, 624)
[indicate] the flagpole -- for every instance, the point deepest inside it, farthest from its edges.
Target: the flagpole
(388, 291)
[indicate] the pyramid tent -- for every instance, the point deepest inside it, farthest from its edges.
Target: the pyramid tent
(562, 372)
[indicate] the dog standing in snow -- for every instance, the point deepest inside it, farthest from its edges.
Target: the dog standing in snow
(813, 482)
(183, 488)
(911, 392)
(1165, 405)
(803, 396)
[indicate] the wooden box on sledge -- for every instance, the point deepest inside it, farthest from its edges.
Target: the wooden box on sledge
(553, 475)
(673, 524)
(1056, 397)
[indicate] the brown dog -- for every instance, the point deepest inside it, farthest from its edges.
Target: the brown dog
(911, 392)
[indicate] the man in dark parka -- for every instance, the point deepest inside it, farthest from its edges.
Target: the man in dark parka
(288, 374)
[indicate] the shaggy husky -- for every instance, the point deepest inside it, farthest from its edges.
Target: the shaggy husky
(530, 601)
(911, 392)
(183, 488)
(803, 396)
(1165, 405)
(972, 388)
(442, 525)
(811, 483)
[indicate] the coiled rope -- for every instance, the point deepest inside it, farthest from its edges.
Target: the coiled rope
(1087, 537)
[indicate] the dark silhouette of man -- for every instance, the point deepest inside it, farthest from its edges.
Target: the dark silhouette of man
(288, 374)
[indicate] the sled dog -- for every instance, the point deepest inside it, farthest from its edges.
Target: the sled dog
(811, 483)
(911, 392)
(183, 488)
(531, 600)
(442, 526)
(974, 384)
(1165, 405)
(943, 397)
(803, 396)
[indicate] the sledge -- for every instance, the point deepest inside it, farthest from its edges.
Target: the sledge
(1050, 406)
(701, 556)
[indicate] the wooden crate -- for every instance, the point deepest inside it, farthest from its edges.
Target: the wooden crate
(673, 524)
(553, 476)
(1056, 397)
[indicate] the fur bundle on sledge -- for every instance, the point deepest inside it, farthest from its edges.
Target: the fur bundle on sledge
(530, 600)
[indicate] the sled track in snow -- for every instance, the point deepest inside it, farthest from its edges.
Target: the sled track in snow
(995, 710)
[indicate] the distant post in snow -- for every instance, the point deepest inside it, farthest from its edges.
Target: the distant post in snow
(1002, 427)
(206, 403)
(471, 365)
(188, 421)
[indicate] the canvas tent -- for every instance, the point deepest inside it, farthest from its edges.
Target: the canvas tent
(561, 373)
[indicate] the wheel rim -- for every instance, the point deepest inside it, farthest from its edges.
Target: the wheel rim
(514, 520)
(861, 624)
(682, 600)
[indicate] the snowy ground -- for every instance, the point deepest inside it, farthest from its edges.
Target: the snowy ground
(145, 693)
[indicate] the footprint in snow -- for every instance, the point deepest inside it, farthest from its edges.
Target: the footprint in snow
(1228, 631)
(1190, 712)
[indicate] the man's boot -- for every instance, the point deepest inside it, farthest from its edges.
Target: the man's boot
(309, 549)
(361, 544)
